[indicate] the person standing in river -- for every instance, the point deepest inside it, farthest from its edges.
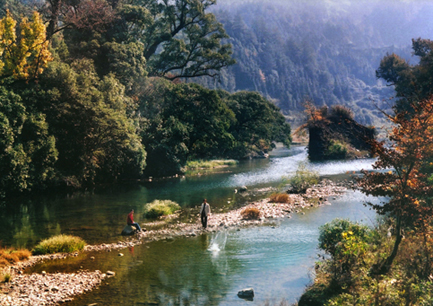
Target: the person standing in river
(130, 220)
(204, 213)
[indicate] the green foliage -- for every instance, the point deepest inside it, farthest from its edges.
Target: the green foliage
(257, 123)
(346, 276)
(412, 82)
(303, 179)
(336, 150)
(27, 150)
(187, 121)
(97, 142)
(59, 244)
(160, 208)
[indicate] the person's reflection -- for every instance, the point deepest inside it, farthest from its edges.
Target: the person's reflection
(204, 241)
(131, 250)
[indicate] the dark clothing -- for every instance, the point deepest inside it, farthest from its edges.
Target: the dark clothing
(204, 220)
(204, 213)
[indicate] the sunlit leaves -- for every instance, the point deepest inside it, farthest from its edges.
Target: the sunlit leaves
(408, 153)
(23, 56)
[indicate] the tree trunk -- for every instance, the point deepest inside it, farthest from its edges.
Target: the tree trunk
(54, 18)
(386, 266)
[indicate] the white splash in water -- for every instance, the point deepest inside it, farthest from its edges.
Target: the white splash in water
(218, 243)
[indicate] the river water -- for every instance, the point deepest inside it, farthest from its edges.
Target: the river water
(206, 270)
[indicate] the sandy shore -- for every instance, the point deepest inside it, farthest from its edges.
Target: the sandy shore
(53, 289)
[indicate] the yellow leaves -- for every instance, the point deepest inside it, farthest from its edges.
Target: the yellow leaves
(23, 58)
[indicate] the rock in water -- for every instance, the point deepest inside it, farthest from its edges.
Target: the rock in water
(247, 293)
(129, 230)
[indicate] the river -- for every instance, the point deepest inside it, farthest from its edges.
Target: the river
(206, 270)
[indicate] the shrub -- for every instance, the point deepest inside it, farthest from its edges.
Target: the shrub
(160, 208)
(250, 213)
(332, 233)
(336, 150)
(279, 198)
(303, 179)
(59, 244)
(340, 113)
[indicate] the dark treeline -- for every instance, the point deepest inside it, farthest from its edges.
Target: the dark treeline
(91, 93)
(326, 51)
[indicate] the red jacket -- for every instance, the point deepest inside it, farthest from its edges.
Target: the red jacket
(130, 218)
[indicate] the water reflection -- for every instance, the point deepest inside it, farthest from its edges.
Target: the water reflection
(210, 269)
(99, 217)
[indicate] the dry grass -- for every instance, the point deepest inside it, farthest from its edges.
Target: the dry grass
(250, 213)
(279, 198)
(11, 256)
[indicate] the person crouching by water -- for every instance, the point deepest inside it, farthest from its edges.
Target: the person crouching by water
(130, 220)
(204, 213)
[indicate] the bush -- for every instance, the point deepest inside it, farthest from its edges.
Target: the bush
(279, 198)
(334, 232)
(250, 213)
(340, 113)
(59, 244)
(336, 150)
(160, 208)
(303, 179)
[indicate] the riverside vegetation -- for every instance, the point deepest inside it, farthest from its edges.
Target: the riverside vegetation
(95, 93)
(86, 98)
(390, 264)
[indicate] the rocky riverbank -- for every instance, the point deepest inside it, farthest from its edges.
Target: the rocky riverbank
(52, 289)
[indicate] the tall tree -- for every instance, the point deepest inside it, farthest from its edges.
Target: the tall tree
(408, 155)
(181, 40)
(257, 123)
(27, 150)
(412, 82)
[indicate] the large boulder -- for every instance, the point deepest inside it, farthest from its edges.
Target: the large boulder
(247, 294)
(129, 230)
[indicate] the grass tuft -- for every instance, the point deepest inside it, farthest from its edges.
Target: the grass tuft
(209, 164)
(59, 244)
(160, 208)
(250, 213)
(279, 198)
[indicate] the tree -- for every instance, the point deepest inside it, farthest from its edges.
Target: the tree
(181, 40)
(408, 156)
(79, 14)
(412, 82)
(96, 139)
(27, 150)
(180, 122)
(26, 56)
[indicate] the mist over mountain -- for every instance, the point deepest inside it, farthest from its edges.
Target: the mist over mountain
(326, 51)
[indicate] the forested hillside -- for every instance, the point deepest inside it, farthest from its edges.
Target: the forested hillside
(324, 51)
